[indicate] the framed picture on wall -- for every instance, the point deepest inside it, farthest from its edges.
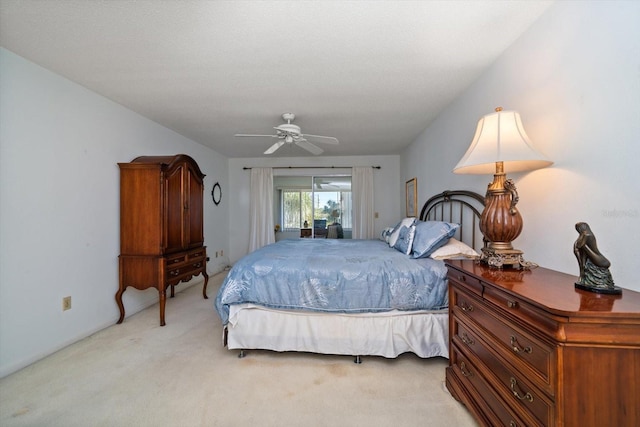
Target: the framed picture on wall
(412, 197)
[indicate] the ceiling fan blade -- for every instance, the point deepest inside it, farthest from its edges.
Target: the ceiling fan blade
(252, 135)
(274, 147)
(309, 146)
(329, 139)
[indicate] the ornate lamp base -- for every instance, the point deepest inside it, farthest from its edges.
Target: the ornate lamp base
(499, 258)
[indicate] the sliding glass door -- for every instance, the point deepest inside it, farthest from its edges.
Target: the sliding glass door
(332, 206)
(317, 206)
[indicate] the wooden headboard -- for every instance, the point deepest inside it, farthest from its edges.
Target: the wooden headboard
(461, 207)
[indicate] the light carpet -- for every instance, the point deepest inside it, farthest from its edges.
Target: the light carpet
(141, 374)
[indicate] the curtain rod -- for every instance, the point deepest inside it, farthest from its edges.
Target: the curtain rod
(310, 167)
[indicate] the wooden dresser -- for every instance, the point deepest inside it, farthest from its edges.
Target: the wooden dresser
(528, 349)
(161, 225)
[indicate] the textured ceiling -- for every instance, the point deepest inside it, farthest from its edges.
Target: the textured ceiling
(373, 74)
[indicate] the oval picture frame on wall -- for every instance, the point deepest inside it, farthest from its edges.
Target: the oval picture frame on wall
(216, 193)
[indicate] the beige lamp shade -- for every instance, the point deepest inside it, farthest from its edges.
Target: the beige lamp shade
(500, 137)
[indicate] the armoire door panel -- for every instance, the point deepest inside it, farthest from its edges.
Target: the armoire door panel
(175, 206)
(196, 209)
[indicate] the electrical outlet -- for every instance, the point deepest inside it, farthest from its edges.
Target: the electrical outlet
(66, 303)
(221, 253)
(216, 254)
(375, 215)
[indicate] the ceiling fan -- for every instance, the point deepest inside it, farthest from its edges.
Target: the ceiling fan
(330, 184)
(288, 133)
(322, 184)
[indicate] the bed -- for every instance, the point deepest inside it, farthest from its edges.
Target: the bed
(353, 297)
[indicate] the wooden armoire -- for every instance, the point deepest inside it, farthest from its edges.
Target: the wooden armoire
(161, 225)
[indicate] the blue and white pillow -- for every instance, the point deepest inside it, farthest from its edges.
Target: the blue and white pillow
(386, 233)
(430, 235)
(404, 243)
(407, 222)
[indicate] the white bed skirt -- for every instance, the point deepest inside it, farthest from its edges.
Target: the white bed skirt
(388, 334)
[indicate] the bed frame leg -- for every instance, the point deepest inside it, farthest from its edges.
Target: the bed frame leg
(242, 354)
(357, 360)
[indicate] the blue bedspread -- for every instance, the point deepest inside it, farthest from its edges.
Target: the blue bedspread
(334, 275)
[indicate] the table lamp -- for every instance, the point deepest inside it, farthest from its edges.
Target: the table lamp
(334, 215)
(500, 143)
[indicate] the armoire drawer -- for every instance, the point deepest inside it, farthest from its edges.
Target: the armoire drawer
(184, 271)
(197, 254)
(175, 259)
(511, 339)
(196, 265)
(471, 377)
(522, 393)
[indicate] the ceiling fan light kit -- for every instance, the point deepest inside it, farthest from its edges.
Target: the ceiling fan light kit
(288, 133)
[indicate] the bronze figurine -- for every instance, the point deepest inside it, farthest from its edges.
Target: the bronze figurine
(594, 267)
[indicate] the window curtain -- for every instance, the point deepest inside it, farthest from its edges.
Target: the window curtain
(362, 194)
(261, 224)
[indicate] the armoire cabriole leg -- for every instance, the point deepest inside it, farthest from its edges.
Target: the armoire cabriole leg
(357, 360)
(206, 280)
(120, 305)
(163, 301)
(241, 354)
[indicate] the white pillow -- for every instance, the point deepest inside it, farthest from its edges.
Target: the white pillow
(393, 237)
(454, 249)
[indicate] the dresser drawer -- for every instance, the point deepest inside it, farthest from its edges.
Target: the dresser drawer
(524, 311)
(522, 394)
(465, 280)
(535, 356)
(471, 377)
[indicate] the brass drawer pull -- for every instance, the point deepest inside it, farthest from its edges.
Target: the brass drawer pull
(176, 260)
(512, 304)
(197, 265)
(174, 272)
(464, 370)
(517, 393)
(513, 424)
(515, 346)
(466, 339)
(464, 306)
(462, 278)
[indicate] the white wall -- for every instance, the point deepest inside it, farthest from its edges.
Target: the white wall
(59, 208)
(573, 76)
(387, 201)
